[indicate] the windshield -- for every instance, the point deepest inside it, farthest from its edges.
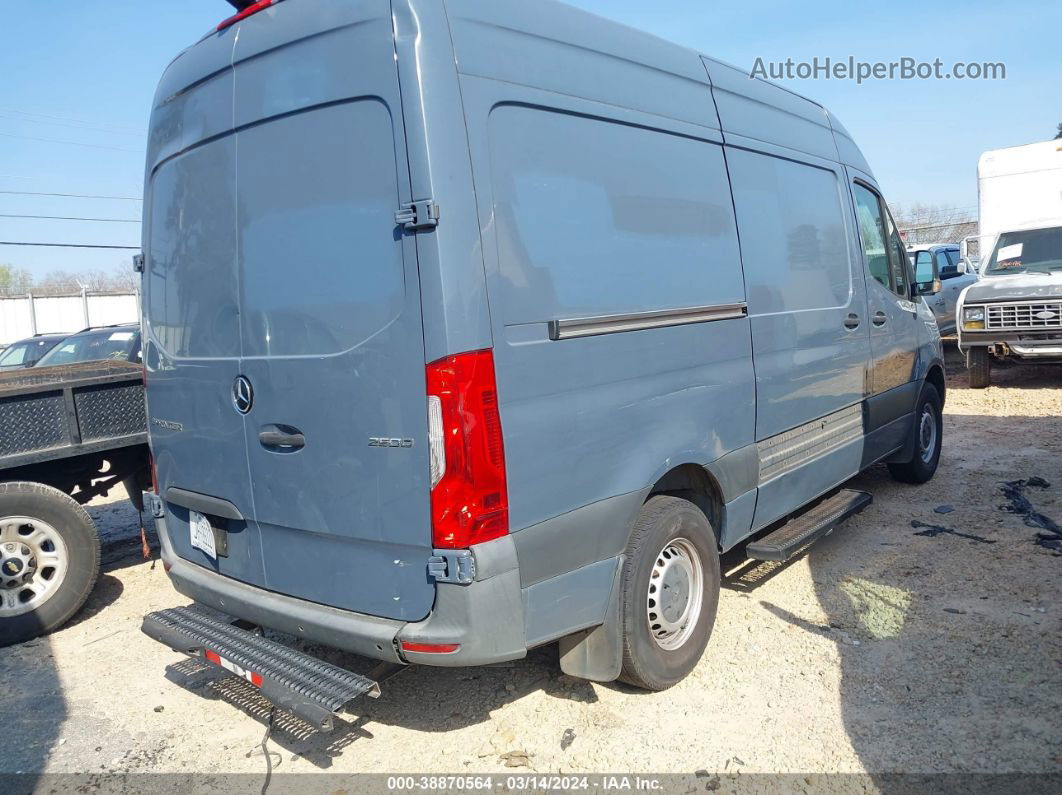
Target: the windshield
(120, 343)
(25, 353)
(1029, 251)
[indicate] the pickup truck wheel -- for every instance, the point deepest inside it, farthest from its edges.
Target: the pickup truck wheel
(980, 367)
(670, 593)
(928, 433)
(49, 560)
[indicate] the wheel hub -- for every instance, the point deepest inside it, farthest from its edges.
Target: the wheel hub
(673, 603)
(674, 592)
(33, 564)
(927, 434)
(15, 565)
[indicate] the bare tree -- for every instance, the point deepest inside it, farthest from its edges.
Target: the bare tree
(124, 279)
(931, 223)
(18, 281)
(1059, 135)
(64, 282)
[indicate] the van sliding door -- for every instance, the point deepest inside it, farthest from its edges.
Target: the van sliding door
(807, 307)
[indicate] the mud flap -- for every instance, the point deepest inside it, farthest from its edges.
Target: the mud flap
(597, 654)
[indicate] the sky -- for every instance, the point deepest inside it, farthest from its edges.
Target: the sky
(79, 77)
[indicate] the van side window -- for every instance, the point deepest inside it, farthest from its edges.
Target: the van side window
(871, 223)
(792, 228)
(579, 236)
(887, 259)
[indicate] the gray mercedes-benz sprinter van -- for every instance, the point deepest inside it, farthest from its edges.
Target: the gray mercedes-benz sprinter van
(477, 325)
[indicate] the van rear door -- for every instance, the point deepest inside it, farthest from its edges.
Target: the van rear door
(329, 355)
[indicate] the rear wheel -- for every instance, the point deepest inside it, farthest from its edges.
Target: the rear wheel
(670, 593)
(928, 437)
(49, 560)
(980, 367)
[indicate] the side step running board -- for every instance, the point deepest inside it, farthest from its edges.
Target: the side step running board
(312, 689)
(802, 531)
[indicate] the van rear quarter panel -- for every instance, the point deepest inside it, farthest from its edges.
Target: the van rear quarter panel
(595, 199)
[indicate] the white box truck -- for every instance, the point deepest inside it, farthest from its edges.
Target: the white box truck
(1015, 309)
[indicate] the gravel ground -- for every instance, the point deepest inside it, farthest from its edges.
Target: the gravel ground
(886, 648)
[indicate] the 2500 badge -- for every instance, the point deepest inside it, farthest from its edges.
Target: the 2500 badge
(383, 441)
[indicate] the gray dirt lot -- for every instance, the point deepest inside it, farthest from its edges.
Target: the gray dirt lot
(886, 648)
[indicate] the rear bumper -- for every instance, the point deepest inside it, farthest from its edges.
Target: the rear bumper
(485, 617)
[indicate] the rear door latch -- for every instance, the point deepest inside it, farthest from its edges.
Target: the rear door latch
(420, 214)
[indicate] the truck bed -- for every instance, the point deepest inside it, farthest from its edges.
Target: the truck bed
(51, 413)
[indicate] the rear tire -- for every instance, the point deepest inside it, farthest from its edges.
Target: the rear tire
(928, 432)
(670, 593)
(49, 560)
(980, 367)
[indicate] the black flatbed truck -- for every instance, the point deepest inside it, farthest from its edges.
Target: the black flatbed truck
(68, 434)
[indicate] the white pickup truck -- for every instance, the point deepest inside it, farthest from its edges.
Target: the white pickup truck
(1015, 309)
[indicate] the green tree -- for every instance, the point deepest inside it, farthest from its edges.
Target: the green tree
(14, 281)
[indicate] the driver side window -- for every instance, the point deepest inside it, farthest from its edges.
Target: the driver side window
(884, 251)
(898, 259)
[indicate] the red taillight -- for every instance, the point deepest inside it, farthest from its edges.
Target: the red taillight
(469, 501)
(254, 8)
(430, 648)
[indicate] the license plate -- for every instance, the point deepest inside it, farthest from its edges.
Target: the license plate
(202, 534)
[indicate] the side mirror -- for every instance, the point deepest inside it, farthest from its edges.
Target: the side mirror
(927, 276)
(928, 288)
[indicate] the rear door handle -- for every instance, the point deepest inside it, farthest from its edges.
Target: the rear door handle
(852, 321)
(283, 437)
(880, 318)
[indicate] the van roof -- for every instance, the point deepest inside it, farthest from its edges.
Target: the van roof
(747, 106)
(795, 122)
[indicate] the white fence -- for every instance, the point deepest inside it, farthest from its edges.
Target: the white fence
(28, 315)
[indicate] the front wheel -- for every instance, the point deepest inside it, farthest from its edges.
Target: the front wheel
(670, 593)
(980, 367)
(928, 433)
(49, 560)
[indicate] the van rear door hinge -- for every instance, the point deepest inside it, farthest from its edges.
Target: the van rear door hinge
(420, 214)
(138, 263)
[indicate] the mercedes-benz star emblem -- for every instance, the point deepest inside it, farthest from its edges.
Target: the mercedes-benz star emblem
(242, 394)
